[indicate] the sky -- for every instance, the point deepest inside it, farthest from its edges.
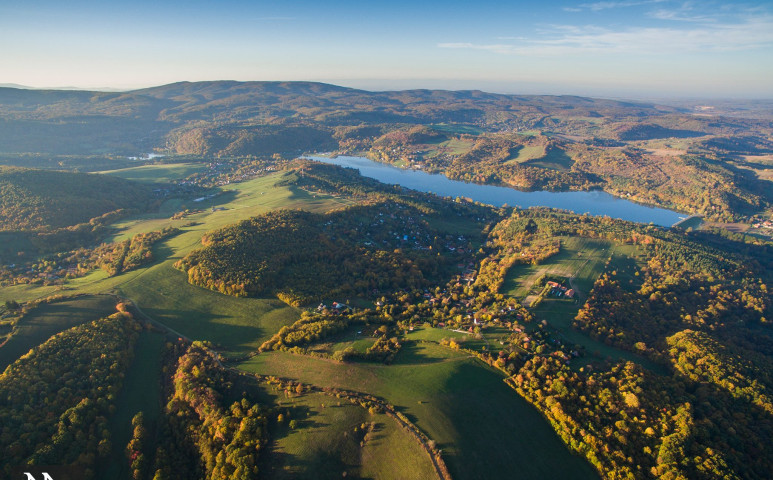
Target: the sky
(615, 48)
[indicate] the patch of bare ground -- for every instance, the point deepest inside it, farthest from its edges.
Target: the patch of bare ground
(666, 152)
(732, 227)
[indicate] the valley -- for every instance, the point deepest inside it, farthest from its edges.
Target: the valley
(237, 310)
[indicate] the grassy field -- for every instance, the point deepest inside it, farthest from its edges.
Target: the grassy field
(693, 222)
(231, 203)
(483, 427)
(581, 259)
(526, 153)
(235, 325)
(763, 173)
(430, 334)
(487, 340)
(560, 313)
(536, 156)
(162, 173)
(555, 159)
(141, 392)
(326, 443)
(49, 319)
(456, 128)
(356, 337)
(454, 146)
(238, 325)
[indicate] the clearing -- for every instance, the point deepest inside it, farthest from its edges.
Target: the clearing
(159, 173)
(141, 392)
(326, 442)
(579, 259)
(483, 427)
(237, 325)
(48, 319)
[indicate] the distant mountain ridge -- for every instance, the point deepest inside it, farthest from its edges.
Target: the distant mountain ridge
(84, 122)
(27, 87)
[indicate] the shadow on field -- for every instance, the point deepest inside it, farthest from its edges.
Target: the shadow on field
(49, 319)
(199, 325)
(496, 430)
(221, 198)
(411, 353)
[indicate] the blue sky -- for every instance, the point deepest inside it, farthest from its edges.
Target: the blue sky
(616, 48)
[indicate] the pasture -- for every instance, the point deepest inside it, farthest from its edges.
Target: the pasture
(141, 392)
(483, 427)
(454, 146)
(539, 156)
(48, 319)
(237, 325)
(356, 336)
(157, 173)
(580, 259)
(560, 313)
(693, 221)
(457, 128)
(554, 159)
(326, 443)
(526, 153)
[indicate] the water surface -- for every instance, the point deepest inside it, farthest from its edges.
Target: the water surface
(595, 202)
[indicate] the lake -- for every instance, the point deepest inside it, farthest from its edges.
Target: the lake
(595, 202)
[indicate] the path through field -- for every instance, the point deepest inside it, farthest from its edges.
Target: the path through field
(581, 260)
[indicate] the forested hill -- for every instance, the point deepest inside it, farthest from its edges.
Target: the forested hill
(336, 105)
(33, 199)
(203, 100)
(77, 122)
(115, 122)
(680, 158)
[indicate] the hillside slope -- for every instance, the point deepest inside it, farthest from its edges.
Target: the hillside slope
(33, 199)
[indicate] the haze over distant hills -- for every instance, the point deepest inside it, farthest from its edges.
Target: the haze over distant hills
(530, 142)
(83, 122)
(87, 89)
(348, 327)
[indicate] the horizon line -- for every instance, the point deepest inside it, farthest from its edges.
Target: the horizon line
(642, 96)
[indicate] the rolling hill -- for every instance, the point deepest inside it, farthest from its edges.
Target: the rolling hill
(36, 199)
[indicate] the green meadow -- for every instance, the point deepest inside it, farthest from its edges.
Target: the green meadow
(457, 128)
(537, 156)
(157, 173)
(555, 159)
(357, 337)
(328, 441)
(483, 427)
(141, 392)
(581, 259)
(48, 319)
(237, 325)
(526, 153)
(454, 146)
(560, 313)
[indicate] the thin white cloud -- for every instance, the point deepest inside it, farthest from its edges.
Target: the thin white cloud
(684, 13)
(597, 6)
(752, 33)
